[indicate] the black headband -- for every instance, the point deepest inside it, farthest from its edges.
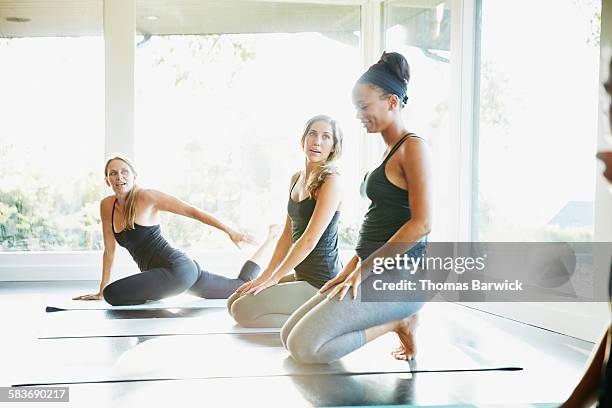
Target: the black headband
(381, 76)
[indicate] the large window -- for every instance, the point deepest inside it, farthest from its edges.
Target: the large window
(223, 89)
(51, 142)
(220, 108)
(535, 138)
(421, 32)
(537, 133)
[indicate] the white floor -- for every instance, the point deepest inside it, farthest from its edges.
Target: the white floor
(228, 369)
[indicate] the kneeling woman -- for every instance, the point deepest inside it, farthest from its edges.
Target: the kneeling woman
(131, 217)
(331, 325)
(309, 241)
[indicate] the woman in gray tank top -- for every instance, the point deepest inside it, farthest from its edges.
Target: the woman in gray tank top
(331, 324)
(309, 242)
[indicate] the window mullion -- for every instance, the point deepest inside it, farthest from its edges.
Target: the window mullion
(119, 31)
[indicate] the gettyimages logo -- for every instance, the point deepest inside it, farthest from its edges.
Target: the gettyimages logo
(406, 262)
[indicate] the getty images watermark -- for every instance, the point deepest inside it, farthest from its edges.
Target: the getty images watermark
(496, 271)
(457, 265)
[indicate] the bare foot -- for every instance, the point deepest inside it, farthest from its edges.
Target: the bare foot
(405, 330)
(274, 230)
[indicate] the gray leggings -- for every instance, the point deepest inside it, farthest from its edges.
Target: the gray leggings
(272, 306)
(324, 330)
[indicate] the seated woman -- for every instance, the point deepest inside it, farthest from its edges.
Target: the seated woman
(309, 241)
(330, 325)
(131, 217)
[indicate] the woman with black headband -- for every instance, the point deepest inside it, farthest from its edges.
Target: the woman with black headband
(331, 324)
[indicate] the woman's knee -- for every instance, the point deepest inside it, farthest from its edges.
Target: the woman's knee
(286, 330)
(305, 348)
(230, 302)
(112, 296)
(288, 327)
(109, 295)
(243, 311)
(185, 275)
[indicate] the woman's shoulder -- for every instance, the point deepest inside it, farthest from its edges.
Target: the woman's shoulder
(332, 178)
(295, 175)
(331, 182)
(413, 140)
(413, 144)
(146, 193)
(146, 196)
(108, 200)
(294, 178)
(106, 205)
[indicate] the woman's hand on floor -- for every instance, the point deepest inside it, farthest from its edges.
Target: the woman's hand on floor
(93, 296)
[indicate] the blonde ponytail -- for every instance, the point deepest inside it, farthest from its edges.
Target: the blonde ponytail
(129, 212)
(317, 177)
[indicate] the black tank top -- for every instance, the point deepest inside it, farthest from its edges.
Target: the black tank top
(147, 246)
(389, 207)
(323, 262)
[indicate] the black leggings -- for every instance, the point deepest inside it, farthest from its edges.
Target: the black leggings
(160, 283)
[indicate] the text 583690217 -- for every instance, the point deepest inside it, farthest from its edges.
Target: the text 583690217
(34, 394)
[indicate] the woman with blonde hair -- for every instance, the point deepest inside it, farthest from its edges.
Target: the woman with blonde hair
(131, 218)
(309, 241)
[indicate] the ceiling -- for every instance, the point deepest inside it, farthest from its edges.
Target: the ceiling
(59, 18)
(85, 17)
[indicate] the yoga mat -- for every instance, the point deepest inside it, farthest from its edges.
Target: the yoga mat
(307, 391)
(512, 405)
(179, 302)
(300, 391)
(80, 361)
(512, 388)
(106, 324)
